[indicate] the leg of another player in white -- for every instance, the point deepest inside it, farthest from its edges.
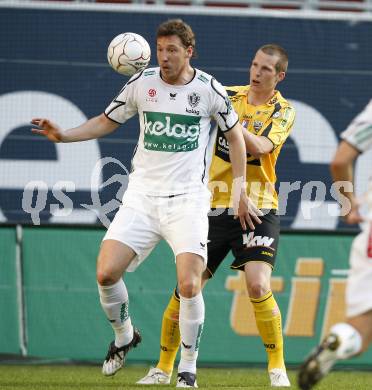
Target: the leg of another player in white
(344, 341)
(352, 337)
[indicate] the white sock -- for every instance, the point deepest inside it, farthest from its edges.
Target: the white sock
(191, 326)
(350, 340)
(114, 301)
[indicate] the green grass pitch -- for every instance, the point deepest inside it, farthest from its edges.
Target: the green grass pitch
(68, 377)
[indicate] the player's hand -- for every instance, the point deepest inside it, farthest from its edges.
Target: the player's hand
(247, 212)
(353, 217)
(48, 129)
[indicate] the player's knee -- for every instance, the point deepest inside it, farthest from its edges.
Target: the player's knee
(257, 289)
(105, 278)
(188, 288)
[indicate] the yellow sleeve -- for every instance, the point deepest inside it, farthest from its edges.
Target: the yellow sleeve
(281, 124)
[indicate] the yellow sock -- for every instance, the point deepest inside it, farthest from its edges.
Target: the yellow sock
(170, 335)
(269, 325)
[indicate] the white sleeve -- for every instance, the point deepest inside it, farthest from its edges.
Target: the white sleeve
(124, 105)
(222, 110)
(359, 132)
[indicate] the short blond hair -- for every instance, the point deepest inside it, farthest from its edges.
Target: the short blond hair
(275, 50)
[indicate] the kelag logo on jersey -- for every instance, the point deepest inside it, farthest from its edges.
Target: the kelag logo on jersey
(171, 132)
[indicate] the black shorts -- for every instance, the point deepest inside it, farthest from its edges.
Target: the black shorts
(225, 234)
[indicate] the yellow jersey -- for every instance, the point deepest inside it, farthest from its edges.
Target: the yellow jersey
(273, 120)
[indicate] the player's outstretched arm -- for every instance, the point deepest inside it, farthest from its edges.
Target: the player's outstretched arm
(96, 127)
(48, 129)
(243, 207)
(342, 170)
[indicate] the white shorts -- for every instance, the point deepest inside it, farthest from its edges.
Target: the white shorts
(142, 221)
(359, 283)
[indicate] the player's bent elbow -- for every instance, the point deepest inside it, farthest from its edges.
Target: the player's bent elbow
(257, 152)
(259, 149)
(337, 165)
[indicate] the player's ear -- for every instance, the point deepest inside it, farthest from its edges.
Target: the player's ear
(281, 76)
(189, 51)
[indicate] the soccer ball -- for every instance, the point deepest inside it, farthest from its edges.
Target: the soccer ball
(128, 53)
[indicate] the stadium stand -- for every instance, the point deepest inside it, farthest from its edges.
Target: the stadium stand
(363, 6)
(358, 6)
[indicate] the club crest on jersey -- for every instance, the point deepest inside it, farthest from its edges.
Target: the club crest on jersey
(257, 125)
(194, 99)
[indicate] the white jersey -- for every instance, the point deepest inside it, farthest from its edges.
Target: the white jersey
(171, 154)
(359, 135)
(359, 132)
(358, 290)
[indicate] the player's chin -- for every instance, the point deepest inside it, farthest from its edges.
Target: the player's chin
(166, 72)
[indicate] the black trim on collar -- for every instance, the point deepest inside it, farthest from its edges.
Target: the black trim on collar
(192, 79)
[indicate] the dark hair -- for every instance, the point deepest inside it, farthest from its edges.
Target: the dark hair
(179, 28)
(273, 49)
